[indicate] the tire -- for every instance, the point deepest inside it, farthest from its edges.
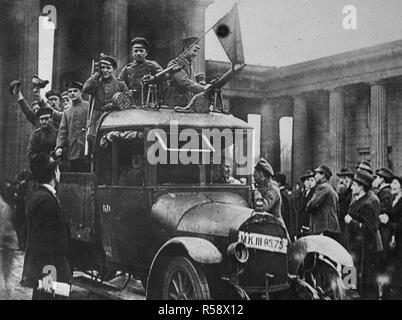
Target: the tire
(329, 281)
(185, 280)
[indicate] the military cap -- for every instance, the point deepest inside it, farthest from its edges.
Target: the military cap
(365, 165)
(264, 166)
(308, 174)
(52, 93)
(364, 178)
(109, 61)
(345, 172)
(14, 87)
(281, 178)
(74, 84)
(44, 111)
(385, 173)
(64, 93)
(186, 42)
(140, 40)
(325, 170)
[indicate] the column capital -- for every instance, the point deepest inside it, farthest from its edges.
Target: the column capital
(380, 83)
(338, 89)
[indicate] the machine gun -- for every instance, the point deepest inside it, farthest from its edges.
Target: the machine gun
(211, 98)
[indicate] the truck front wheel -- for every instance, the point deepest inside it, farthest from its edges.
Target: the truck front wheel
(185, 280)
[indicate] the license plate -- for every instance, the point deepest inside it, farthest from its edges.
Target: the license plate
(264, 242)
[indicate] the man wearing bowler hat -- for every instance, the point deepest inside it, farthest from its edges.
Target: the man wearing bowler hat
(382, 184)
(323, 207)
(309, 185)
(71, 136)
(42, 142)
(361, 227)
(183, 81)
(345, 196)
(134, 72)
(269, 193)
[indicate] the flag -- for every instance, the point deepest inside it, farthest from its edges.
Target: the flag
(227, 29)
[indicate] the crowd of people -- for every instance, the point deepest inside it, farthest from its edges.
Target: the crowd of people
(362, 212)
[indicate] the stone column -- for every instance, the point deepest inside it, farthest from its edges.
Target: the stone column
(20, 61)
(378, 126)
(336, 129)
(114, 30)
(301, 160)
(270, 144)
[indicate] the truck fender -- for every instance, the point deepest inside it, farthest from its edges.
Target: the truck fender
(200, 250)
(328, 250)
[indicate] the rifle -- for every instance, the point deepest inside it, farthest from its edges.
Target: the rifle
(148, 79)
(89, 115)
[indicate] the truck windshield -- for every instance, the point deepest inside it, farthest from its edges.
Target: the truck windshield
(202, 157)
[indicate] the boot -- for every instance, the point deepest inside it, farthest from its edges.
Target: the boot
(37, 82)
(14, 87)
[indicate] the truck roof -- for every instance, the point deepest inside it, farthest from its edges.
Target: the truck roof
(130, 118)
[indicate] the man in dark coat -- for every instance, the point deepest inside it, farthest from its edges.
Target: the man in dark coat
(288, 210)
(362, 225)
(304, 197)
(345, 196)
(382, 187)
(184, 84)
(134, 72)
(43, 140)
(323, 207)
(269, 193)
(71, 136)
(48, 244)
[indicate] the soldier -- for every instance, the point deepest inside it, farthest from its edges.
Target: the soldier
(135, 175)
(382, 183)
(53, 100)
(43, 140)
(269, 193)
(48, 235)
(288, 206)
(345, 196)
(226, 171)
(323, 207)
(362, 225)
(183, 82)
(134, 72)
(30, 111)
(65, 100)
(306, 194)
(71, 136)
(102, 85)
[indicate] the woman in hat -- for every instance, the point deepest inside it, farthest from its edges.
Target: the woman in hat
(393, 222)
(361, 228)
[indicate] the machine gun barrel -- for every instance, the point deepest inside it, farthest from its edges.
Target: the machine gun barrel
(155, 78)
(225, 78)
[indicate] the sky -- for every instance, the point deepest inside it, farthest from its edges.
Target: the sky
(283, 32)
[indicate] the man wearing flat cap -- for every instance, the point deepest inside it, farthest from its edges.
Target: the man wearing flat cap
(43, 140)
(65, 100)
(71, 137)
(345, 196)
(382, 185)
(323, 207)
(269, 193)
(183, 82)
(54, 100)
(134, 72)
(103, 85)
(302, 199)
(362, 225)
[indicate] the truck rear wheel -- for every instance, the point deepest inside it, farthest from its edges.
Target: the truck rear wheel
(185, 280)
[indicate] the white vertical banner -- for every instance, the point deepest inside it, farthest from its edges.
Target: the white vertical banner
(46, 50)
